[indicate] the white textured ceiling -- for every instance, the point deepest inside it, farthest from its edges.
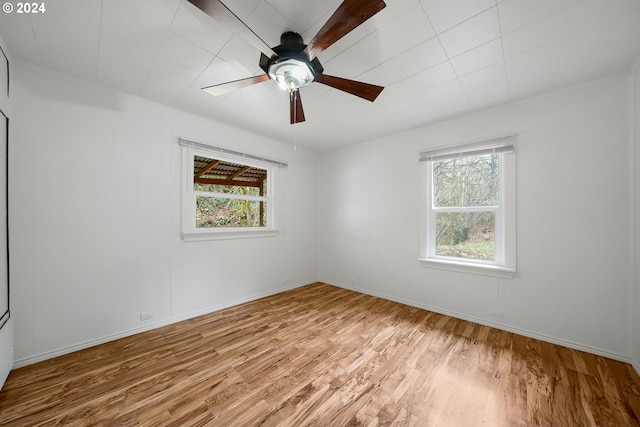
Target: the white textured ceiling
(436, 58)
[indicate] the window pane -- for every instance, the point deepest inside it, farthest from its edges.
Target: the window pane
(466, 181)
(214, 175)
(466, 235)
(212, 212)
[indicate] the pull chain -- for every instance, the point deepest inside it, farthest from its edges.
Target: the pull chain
(295, 118)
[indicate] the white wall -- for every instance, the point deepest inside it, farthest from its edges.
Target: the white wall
(95, 219)
(95, 228)
(572, 284)
(635, 127)
(6, 333)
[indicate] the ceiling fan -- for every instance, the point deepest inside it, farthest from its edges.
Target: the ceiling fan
(292, 64)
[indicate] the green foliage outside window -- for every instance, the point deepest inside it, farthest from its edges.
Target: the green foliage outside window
(229, 212)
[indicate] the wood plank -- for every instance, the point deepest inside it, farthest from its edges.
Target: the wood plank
(207, 168)
(239, 172)
(321, 355)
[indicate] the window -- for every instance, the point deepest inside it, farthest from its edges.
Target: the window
(227, 194)
(469, 208)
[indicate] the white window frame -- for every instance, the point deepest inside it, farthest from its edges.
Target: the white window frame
(504, 263)
(190, 233)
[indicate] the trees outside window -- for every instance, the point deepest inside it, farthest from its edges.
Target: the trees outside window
(465, 203)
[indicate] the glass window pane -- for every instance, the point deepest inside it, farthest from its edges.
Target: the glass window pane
(466, 181)
(213, 212)
(466, 235)
(217, 176)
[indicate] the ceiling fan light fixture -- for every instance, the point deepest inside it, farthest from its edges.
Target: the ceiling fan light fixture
(290, 73)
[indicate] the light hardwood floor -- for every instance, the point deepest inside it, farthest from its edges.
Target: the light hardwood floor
(324, 356)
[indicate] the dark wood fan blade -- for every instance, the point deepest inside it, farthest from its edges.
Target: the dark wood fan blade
(296, 111)
(223, 88)
(363, 90)
(348, 16)
(221, 13)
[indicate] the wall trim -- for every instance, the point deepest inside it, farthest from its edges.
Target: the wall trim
(19, 363)
(570, 344)
(634, 141)
(632, 215)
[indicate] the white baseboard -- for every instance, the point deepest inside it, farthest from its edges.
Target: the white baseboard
(18, 363)
(526, 333)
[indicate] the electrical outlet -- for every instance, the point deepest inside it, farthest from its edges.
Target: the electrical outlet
(146, 316)
(497, 314)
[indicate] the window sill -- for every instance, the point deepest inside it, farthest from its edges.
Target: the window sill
(464, 267)
(198, 236)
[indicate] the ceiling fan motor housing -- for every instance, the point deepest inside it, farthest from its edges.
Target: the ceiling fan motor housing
(291, 68)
